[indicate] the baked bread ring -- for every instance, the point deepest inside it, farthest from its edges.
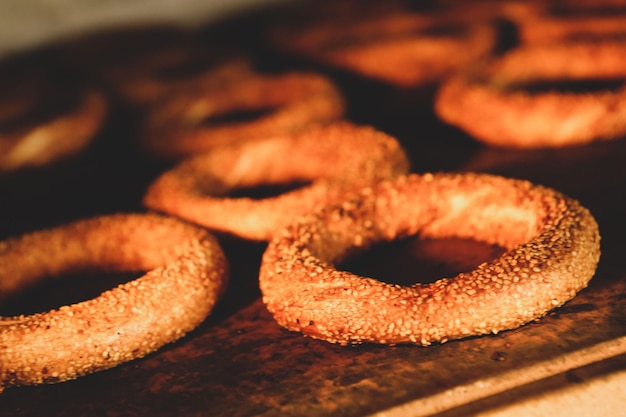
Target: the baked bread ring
(42, 119)
(187, 273)
(418, 59)
(560, 28)
(494, 105)
(404, 49)
(328, 159)
(552, 243)
(252, 107)
(573, 20)
(154, 77)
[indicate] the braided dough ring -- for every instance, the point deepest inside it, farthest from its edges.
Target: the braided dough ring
(332, 158)
(187, 274)
(552, 243)
(285, 103)
(489, 104)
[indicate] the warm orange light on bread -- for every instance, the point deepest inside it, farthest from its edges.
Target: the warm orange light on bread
(552, 243)
(187, 273)
(493, 102)
(329, 159)
(247, 107)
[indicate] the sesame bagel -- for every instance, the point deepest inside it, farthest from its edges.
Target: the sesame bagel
(325, 160)
(247, 107)
(552, 249)
(498, 103)
(187, 273)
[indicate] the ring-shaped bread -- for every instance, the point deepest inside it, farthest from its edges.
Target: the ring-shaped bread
(251, 107)
(153, 78)
(559, 29)
(326, 159)
(404, 49)
(416, 59)
(38, 142)
(493, 104)
(187, 273)
(569, 20)
(552, 249)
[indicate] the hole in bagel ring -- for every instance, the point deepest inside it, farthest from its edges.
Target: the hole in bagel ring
(332, 158)
(490, 102)
(552, 242)
(187, 273)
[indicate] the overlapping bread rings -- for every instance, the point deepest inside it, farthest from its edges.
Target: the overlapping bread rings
(187, 272)
(494, 104)
(326, 159)
(42, 123)
(552, 248)
(252, 107)
(401, 48)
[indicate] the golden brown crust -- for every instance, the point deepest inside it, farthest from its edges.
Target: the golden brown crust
(552, 243)
(287, 102)
(329, 158)
(490, 102)
(187, 273)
